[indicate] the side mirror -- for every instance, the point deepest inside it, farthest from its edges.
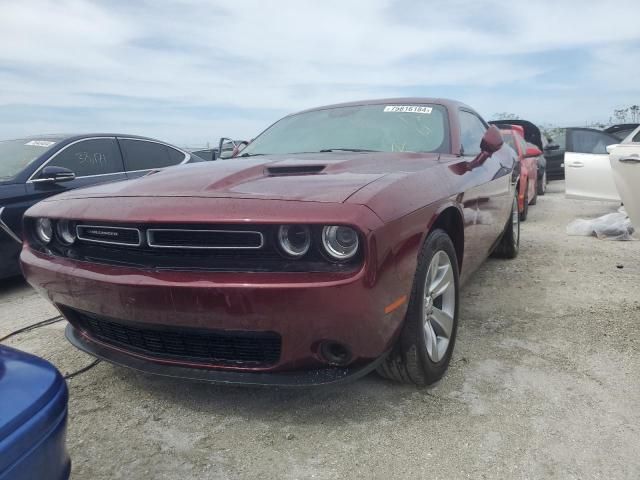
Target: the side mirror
(226, 148)
(611, 147)
(532, 151)
(54, 175)
(551, 147)
(491, 140)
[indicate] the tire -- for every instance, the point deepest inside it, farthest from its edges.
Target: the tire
(542, 184)
(510, 241)
(525, 210)
(422, 353)
(534, 200)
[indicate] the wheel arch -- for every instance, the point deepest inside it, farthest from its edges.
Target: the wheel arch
(451, 220)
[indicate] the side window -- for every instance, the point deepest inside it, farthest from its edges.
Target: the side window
(471, 132)
(559, 137)
(636, 137)
(98, 156)
(143, 155)
(176, 156)
(590, 141)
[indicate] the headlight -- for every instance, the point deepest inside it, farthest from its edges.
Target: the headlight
(44, 230)
(66, 231)
(341, 243)
(294, 240)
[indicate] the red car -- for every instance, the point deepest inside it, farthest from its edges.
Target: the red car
(334, 244)
(528, 159)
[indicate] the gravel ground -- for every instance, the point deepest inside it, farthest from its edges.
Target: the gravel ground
(543, 384)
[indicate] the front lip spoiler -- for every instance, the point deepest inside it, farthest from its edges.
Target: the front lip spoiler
(303, 378)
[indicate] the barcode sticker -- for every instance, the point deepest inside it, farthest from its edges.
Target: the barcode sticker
(407, 109)
(40, 143)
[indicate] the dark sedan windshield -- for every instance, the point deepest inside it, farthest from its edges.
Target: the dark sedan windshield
(380, 128)
(15, 155)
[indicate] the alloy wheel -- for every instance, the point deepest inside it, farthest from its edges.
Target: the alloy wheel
(439, 305)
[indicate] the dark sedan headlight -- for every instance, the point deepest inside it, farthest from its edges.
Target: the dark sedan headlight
(66, 231)
(44, 230)
(340, 243)
(294, 240)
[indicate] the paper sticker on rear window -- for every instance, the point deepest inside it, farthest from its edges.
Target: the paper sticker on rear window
(40, 143)
(407, 109)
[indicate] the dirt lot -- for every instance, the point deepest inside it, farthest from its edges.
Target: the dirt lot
(544, 383)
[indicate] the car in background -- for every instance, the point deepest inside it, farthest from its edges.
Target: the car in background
(228, 147)
(38, 167)
(534, 136)
(625, 165)
(587, 170)
(33, 418)
(527, 158)
(621, 130)
(334, 244)
(573, 145)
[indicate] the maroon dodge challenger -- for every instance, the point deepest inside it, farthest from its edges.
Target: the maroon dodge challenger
(333, 245)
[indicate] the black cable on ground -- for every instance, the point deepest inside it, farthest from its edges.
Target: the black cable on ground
(82, 370)
(43, 323)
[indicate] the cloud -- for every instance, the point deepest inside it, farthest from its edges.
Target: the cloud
(188, 70)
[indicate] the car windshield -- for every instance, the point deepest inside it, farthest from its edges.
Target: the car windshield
(15, 155)
(380, 128)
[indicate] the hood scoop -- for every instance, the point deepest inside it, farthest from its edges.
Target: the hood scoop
(281, 171)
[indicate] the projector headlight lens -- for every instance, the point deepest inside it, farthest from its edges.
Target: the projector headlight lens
(66, 230)
(44, 230)
(341, 243)
(294, 240)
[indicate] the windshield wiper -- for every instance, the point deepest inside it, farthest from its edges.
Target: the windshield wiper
(252, 154)
(325, 150)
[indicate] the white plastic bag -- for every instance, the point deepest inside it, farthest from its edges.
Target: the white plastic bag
(613, 226)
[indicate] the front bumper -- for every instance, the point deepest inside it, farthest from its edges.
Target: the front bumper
(303, 378)
(304, 309)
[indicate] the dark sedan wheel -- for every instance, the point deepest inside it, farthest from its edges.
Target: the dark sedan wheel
(510, 241)
(542, 184)
(423, 351)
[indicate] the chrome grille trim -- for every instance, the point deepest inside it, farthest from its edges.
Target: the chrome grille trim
(151, 243)
(108, 242)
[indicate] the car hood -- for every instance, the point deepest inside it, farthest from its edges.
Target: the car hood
(321, 177)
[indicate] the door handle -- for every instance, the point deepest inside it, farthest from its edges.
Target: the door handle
(576, 164)
(631, 159)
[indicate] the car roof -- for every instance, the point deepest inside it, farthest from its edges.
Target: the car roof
(445, 102)
(58, 137)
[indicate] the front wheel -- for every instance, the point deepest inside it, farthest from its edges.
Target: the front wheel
(422, 353)
(542, 184)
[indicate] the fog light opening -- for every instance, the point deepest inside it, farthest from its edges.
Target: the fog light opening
(335, 353)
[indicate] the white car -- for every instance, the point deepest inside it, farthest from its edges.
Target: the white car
(587, 170)
(625, 165)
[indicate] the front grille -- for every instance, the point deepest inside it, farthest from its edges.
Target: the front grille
(232, 348)
(109, 235)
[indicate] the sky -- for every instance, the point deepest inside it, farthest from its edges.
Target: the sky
(189, 71)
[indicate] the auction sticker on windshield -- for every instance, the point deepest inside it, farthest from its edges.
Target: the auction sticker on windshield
(407, 109)
(40, 143)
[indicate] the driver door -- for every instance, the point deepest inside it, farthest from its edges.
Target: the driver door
(586, 165)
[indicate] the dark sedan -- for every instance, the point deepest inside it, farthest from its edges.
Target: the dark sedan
(34, 168)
